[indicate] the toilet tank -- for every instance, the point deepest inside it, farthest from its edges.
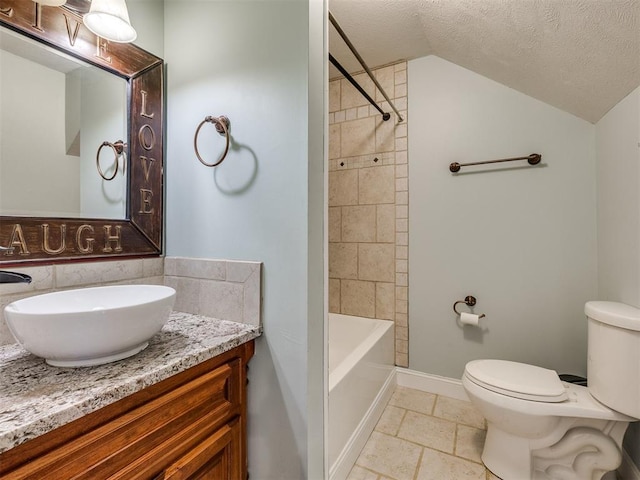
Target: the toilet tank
(613, 363)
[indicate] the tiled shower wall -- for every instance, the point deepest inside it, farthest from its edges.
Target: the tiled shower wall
(368, 202)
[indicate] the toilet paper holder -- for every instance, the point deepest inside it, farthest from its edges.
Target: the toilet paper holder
(469, 301)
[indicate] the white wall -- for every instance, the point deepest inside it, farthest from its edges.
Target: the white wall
(522, 240)
(249, 61)
(618, 167)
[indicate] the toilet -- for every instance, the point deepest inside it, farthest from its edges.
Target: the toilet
(541, 428)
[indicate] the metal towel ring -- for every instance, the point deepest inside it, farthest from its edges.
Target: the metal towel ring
(469, 301)
(222, 127)
(118, 149)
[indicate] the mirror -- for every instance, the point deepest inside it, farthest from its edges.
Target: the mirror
(71, 109)
(54, 205)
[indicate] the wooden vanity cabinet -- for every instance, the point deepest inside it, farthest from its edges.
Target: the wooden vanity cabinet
(189, 426)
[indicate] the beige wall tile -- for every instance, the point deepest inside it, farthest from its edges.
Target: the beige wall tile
(240, 272)
(343, 188)
(386, 79)
(437, 466)
(334, 295)
(376, 185)
(350, 97)
(343, 260)
(402, 359)
(42, 278)
(334, 141)
(401, 319)
(385, 301)
(400, 77)
(334, 96)
(357, 298)
(153, 267)
(187, 293)
(335, 224)
(204, 268)
(359, 223)
(401, 333)
(221, 300)
(252, 294)
(357, 137)
(385, 220)
(390, 456)
(363, 111)
(402, 266)
(402, 306)
(402, 252)
(376, 262)
(77, 274)
(385, 135)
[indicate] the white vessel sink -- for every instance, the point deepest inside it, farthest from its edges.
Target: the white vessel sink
(90, 326)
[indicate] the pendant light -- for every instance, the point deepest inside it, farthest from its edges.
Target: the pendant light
(109, 19)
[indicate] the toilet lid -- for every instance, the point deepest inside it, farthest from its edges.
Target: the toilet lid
(517, 380)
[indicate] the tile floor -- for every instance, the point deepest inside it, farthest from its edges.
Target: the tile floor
(422, 436)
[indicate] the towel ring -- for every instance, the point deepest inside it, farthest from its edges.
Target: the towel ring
(222, 127)
(469, 301)
(118, 150)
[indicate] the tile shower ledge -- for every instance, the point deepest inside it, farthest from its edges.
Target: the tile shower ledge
(36, 398)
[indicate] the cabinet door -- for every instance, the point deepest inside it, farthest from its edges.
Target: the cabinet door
(216, 458)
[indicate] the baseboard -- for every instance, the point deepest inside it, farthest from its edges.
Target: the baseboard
(448, 387)
(347, 458)
(628, 470)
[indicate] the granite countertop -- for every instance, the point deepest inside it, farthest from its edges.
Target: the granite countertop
(36, 398)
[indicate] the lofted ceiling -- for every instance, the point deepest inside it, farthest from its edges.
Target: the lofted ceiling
(582, 56)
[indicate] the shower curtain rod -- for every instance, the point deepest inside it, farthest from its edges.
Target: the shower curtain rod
(385, 115)
(334, 22)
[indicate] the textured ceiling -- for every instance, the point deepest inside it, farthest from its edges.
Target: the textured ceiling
(582, 56)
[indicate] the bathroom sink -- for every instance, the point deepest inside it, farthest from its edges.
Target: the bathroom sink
(90, 326)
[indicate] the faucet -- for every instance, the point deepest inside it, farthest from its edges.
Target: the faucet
(14, 277)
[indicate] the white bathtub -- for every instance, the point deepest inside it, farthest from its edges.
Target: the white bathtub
(361, 363)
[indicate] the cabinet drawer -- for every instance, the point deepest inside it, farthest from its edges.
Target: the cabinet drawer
(199, 406)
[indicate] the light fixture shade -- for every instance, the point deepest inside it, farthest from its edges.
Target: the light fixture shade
(109, 19)
(51, 3)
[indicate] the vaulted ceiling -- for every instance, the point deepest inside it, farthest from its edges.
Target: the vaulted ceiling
(582, 56)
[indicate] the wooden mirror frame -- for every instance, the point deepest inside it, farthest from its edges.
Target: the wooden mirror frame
(46, 240)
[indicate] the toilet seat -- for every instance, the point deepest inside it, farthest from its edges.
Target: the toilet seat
(518, 380)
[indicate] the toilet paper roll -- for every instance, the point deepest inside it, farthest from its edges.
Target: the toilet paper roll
(469, 319)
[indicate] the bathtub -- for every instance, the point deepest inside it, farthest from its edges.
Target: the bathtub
(361, 374)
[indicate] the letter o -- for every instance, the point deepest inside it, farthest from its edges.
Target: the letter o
(143, 138)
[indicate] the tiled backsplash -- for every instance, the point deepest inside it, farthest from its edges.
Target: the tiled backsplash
(216, 288)
(230, 290)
